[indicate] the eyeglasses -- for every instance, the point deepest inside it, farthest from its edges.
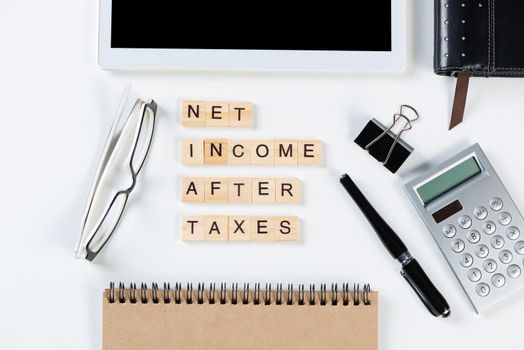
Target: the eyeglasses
(123, 157)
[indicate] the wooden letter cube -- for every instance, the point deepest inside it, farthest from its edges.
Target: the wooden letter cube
(193, 113)
(239, 152)
(192, 228)
(192, 152)
(287, 228)
(216, 190)
(263, 190)
(215, 151)
(216, 228)
(240, 190)
(286, 152)
(192, 189)
(241, 114)
(262, 228)
(309, 152)
(239, 228)
(287, 190)
(217, 113)
(262, 152)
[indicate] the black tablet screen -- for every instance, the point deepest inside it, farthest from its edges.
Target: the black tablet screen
(324, 25)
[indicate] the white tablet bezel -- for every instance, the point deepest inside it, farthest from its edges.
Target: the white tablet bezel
(199, 59)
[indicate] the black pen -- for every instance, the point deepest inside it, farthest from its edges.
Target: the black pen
(411, 269)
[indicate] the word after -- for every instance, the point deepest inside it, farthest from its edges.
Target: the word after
(240, 228)
(217, 114)
(250, 152)
(240, 190)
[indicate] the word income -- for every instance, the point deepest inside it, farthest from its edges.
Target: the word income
(251, 152)
(240, 228)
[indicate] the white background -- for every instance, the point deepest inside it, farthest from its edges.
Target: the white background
(57, 107)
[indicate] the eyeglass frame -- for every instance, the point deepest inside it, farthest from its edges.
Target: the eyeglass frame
(90, 254)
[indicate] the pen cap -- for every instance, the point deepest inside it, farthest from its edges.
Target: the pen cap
(425, 289)
(386, 234)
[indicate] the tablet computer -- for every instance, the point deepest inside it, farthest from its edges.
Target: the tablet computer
(258, 35)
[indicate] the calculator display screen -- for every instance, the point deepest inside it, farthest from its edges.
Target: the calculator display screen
(448, 180)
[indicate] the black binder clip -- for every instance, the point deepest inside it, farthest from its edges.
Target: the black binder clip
(383, 144)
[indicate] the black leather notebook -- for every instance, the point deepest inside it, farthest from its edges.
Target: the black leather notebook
(478, 38)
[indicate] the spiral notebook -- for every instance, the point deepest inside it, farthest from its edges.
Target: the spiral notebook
(239, 317)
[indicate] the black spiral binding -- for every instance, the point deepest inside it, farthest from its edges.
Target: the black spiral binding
(179, 295)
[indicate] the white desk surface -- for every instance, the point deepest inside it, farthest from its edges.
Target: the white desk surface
(57, 107)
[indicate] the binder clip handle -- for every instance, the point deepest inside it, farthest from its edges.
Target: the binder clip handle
(407, 126)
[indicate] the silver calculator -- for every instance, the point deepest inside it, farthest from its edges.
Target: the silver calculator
(475, 223)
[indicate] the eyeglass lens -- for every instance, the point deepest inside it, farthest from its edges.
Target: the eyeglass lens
(109, 222)
(145, 135)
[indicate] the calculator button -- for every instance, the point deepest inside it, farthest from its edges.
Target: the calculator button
(505, 256)
(514, 271)
(513, 232)
(497, 242)
(480, 212)
(482, 250)
(490, 265)
(505, 218)
(482, 289)
(457, 245)
(489, 227)
(464, 221)
(496, 204)
(498, 280)
(519, 247)
(473, 236)
(449, 230)
(466, 260)
(474, 275)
